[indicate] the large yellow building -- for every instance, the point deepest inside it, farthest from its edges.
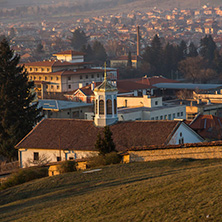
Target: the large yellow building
(67, 74)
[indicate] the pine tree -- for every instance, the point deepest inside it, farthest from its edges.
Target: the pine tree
(192, 50)
(17, 116)
(208, 47)
(78, 39)
(105, 145)
(99, 52)
(108, 140)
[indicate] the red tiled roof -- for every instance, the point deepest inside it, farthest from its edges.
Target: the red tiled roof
(208, 126)
(127, 85)
(70, 52)
(155, 79)
(82, 134)
(54, 63)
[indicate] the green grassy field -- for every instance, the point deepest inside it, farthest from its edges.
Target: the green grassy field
(172, 190)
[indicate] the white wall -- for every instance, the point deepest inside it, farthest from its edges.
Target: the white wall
(188, 135)
(50, 155)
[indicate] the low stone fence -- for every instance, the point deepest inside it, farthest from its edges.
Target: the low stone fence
(199, 152)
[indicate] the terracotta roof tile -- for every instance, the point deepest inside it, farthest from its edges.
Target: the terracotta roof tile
(70, 52)
(82, 134)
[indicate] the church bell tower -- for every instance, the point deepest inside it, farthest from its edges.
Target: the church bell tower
(105, 103)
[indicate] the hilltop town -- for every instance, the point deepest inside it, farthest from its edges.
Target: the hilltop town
(116, 31)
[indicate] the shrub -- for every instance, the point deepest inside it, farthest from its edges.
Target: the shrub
(112, 158)
(107, 159)
(24, 175)
(67, 166)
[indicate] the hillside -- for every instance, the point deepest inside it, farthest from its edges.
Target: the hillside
(109, 4)
(173, 190)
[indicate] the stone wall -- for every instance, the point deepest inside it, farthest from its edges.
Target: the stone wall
(161, 154)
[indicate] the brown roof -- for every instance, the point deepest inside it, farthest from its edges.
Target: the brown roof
(70, 52)
(156, 79)
(208, 126)
(54, 63)
(82, 134)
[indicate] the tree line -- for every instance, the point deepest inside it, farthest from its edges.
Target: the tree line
(197, 64)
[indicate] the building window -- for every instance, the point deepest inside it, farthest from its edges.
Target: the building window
(36, 69)
(161, 117)
(51, 78)
(98, 75)
(181, 114)
(80, 76)
(36, 156)
(69, 78)
(45, 78)
(30, 69)
(165, 116)
(51, 86)
(156, 118)
(46, 86)
(109, 106)
(42, 69)
(40, 78)
(58, 158)
(178, 114)
(152, 118)
(156, 103)
(57, 87)
(174, 115)
(47, 69)
(34, 77)
(57, 78)
(69, 86)
(92, 76)
(169, 116)
(101, 107)
(86, 76)
(30, 77)
(181, 140)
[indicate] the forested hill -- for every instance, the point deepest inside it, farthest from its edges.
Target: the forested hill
(104, 4)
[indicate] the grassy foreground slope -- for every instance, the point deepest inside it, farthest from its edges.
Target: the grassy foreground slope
(172, 190)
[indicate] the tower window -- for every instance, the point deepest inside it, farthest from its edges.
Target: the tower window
(109, 106)
(115, 106)
(101, 107)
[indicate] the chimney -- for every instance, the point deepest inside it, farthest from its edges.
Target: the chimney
(92, 85)
(138, 40)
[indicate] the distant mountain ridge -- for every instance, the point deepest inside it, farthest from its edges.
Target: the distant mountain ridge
(166, 4)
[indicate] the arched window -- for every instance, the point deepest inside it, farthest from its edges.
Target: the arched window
(115, 106)
(101, 107)
(109, 106)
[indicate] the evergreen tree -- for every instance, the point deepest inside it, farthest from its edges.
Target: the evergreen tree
(208, 47)
(129, 62)
(192, 50)
(182, 51)
(105, 145)
(153, 55)
(78, 39)
(108, 143)
(17, 115)
(99, 52)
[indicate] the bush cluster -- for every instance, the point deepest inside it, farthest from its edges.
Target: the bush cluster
(25, 175)
(107, 159)
(67, 166)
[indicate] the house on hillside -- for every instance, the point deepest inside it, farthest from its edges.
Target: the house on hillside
(66, 139)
